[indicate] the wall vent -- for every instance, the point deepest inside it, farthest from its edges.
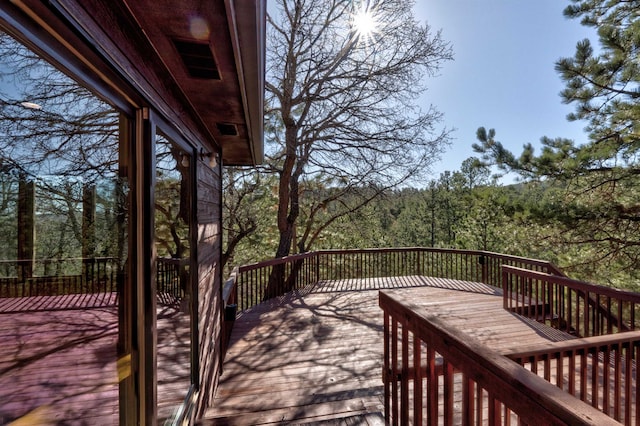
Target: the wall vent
(226, 129)
(198, 59)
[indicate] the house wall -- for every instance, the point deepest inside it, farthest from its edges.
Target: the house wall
(209, 196)
(142, 88)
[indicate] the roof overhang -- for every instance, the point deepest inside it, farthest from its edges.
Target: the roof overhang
(230, 100)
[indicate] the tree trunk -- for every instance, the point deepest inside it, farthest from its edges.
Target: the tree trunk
(26, 228)
(288, 211)
(288, 205)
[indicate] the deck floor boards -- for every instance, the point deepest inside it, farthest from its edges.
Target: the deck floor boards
(316, 357)
(58, 360)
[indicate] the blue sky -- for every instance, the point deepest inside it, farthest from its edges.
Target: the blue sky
(503, 74)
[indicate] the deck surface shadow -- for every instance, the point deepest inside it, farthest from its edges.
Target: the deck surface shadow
(316, 356)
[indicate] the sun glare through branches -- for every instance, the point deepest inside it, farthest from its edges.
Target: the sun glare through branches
(365, 23)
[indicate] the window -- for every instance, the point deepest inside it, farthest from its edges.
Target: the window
(63, 245)
(175, 294)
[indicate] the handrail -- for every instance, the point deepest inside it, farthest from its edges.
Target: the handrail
(600, 370)
(272, 278)
(508, 389)
(275, 261)
(576, 307)
(53, 277)
(180, 261)
(573, 345)
(230, 307)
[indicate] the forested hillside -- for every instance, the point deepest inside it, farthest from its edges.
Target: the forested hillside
(467, 211)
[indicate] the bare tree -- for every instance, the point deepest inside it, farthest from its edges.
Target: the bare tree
(343, 79)
(60, 138)
(244, 193)
(49, 124)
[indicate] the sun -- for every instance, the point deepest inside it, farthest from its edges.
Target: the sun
(365, 23)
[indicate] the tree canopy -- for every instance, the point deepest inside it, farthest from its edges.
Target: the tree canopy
(600, 208)
(341, 108)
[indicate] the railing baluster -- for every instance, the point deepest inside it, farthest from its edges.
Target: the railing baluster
(636, 357)
(621, 325)
(572, 372)
(606, 375)
(468, 406)
(569, 315)
(579, 312)
(417, 380)
(584, 371)
(432, 387)
(247, 289)
(394, 371)
(404, 384)
(594, 378)
(448, 392)
(493, 406)
(617, 381)
(628, 380)
(539, 300)
(479, 405)
(387, 372)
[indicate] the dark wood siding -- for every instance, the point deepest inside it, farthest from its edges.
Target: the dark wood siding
(209, 279)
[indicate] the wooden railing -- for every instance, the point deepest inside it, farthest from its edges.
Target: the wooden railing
(230, 308)
(576, 307)
(426, 363)
(172, 279)
(600, 371)
(96, 275)
(50, 277)
(582, 381)
(260, 281)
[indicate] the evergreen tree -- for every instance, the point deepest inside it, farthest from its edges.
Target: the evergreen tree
(600, 210)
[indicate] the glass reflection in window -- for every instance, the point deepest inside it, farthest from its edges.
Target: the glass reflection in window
(63, 245)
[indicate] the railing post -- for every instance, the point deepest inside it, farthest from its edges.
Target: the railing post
(505, 289)
(483, 267)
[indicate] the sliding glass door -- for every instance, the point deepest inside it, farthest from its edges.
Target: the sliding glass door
(175, 293)
(64, 245)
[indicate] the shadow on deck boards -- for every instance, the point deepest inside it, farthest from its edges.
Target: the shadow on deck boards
(315, 356)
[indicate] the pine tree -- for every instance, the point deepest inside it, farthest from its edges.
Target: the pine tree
(600, 210)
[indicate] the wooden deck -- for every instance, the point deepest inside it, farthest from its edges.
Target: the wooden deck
(315, 357)
(58, 360)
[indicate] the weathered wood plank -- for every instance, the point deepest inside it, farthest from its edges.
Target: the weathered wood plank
(286, 358)
(314, 412)
(58, 365)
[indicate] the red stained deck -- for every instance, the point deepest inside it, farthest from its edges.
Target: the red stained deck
(316, 357)
(58, 359)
